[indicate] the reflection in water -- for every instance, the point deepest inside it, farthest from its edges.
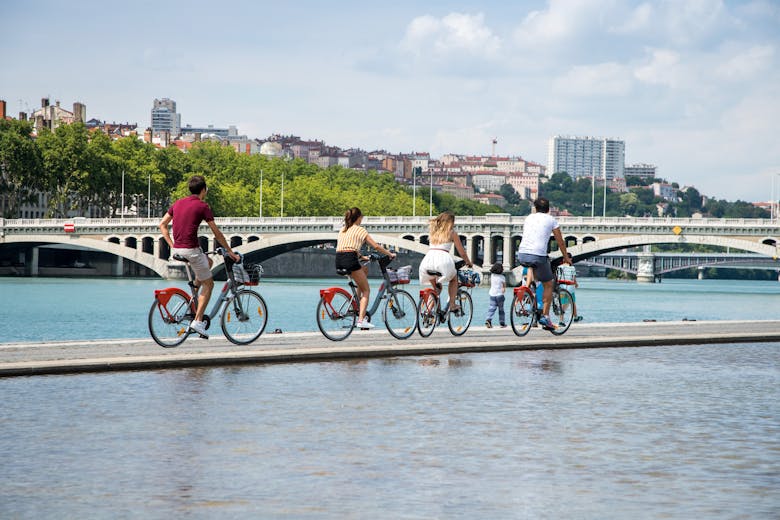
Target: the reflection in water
(649, 433)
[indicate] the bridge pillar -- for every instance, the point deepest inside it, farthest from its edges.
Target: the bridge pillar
(701, 273)
(34, 255)
(645, 271)
(119, 266)
(507, 260)
(487, 250)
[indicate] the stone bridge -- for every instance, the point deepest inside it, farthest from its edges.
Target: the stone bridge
(489, 238)
(648, 266)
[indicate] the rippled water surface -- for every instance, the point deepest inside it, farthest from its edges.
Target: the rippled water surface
(661, 432)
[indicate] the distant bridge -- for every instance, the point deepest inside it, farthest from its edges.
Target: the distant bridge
(489, 238)
(663, 263)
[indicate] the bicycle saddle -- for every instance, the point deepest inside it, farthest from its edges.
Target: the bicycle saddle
(180, 258)
(433, 273)
(343, 272)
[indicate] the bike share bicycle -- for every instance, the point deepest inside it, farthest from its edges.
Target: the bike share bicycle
(244, 314)
(338, 309)
(429, 307)
(526, 310)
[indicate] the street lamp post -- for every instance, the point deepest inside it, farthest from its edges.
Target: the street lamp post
(430, 202)
(149, 198)
(122, 215)
(281, 211)
(592, 193)
(605, 193)
(261, 193)
(414, 191)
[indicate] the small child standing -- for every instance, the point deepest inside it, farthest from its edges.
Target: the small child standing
(497, 289)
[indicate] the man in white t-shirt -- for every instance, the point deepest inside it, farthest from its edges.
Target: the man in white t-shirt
(533, 252)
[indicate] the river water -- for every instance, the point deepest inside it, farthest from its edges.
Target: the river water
(41, 309)
(656, 432)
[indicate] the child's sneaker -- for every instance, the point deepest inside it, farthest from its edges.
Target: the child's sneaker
(488, 324)
(546, 324)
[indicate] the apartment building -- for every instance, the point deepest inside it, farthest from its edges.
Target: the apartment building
(165, 119)
(586, 156)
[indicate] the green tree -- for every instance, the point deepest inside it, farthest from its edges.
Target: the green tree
(21, 165)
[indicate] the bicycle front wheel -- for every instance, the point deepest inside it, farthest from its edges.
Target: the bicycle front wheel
(427, 311)
(461, 319)
(336, 316)
(561, 311)
(169, 322)
(244, 317)
(521, 314)
(400, 314)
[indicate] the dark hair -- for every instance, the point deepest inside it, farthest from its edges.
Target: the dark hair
(197, 184)
(351, 216)
(497, 268)
(542, 205)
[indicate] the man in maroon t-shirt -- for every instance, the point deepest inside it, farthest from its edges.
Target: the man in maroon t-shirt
(187, 214)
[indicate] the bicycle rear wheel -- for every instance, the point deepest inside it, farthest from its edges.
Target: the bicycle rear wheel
(561, 311)
(459, 321)
(244, 317)
(426, 313)
(336, 316)
(169, 322)
(521, 314)
(400, 314)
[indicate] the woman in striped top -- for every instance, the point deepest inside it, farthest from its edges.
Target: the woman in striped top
(351, 238)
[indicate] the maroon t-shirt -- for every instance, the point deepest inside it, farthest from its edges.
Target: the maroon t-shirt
(187, 215)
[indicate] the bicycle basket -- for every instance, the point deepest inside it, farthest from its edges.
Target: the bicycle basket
(248, 274)
(469, 278)
(400, 275)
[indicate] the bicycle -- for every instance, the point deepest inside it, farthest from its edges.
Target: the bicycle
(526, 309)
(429, 306)
(337, 310)
(244, 313)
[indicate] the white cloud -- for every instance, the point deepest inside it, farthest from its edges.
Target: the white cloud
(746, 65)
(603, 79)
(638, 20)
(450, 37)
(562, 21)
(663, 68)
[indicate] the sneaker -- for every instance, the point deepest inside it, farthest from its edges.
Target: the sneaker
(488, 324)
(503, 325)
(200, 328)
(365, 324)
(546, 324)
(578, 318)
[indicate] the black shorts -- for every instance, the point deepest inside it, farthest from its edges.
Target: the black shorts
(540, 264)
(348, 261)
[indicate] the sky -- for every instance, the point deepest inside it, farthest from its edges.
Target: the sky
(692, 86)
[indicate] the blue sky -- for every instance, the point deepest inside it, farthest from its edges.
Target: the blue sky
(692, 86)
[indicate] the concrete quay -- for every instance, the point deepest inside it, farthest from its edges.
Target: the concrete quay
(27, 359)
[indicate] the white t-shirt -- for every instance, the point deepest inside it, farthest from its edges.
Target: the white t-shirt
(497, 284)
(536, 233)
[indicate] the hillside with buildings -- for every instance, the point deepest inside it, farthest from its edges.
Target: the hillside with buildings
(600, 181)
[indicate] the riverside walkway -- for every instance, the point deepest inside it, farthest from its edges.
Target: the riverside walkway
(26, 359)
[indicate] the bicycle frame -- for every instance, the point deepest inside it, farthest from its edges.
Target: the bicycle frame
(330, 292)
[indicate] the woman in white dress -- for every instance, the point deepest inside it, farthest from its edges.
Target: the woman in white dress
(441, 237)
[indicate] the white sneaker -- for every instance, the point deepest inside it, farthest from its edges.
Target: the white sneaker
(200, 328)
(365, 324)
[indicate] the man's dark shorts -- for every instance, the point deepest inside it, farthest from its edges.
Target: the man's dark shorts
(540, 264)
